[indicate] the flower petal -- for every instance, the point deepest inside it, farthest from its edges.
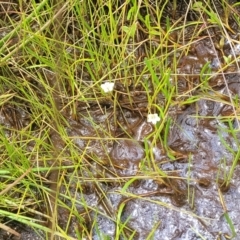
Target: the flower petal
(153, 118)
(107, 87)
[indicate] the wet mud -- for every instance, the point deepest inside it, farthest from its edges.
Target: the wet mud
(185, 205)
(193, 199)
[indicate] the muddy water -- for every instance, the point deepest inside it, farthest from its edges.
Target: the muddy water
(193, 201)
(186, 206)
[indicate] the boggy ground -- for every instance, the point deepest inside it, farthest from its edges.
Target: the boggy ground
(132, 181)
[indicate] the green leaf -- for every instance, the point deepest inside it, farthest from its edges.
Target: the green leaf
(130, 30)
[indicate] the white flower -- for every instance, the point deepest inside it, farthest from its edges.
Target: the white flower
(153, 118)
(107, 87)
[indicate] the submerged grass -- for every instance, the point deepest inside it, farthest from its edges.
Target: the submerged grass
(54, 56)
